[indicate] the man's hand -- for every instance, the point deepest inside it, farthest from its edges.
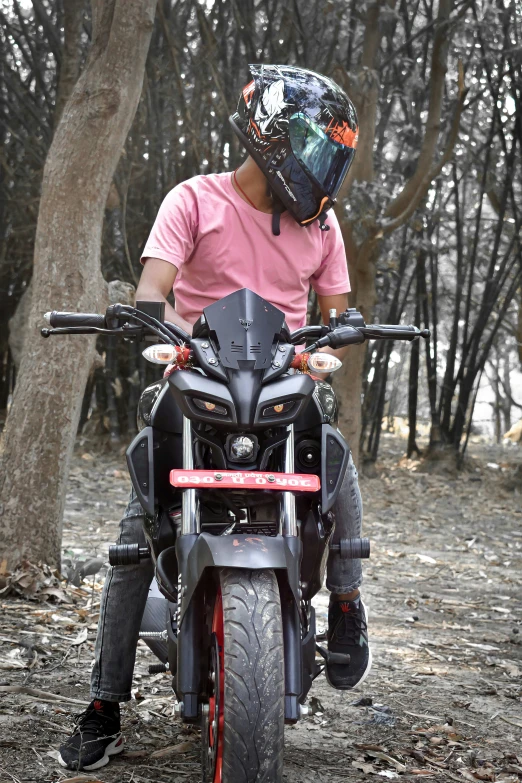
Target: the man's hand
(155, 285)
(327, 303)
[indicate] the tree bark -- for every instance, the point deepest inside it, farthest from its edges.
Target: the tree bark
(39, 436)
(70, 61)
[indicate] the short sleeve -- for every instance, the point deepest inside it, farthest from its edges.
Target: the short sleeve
(332, 276)
(175, 229)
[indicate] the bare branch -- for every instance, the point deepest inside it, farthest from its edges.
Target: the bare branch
(438, 71)
(416, 198)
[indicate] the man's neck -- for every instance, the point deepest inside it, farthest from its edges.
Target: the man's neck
(252, 182)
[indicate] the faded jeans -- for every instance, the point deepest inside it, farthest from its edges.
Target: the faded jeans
(126, 589)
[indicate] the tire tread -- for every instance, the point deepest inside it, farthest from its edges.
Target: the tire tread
(254, 677)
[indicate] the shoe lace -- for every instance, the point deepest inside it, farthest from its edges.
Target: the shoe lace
(349, 626)
(90, 722)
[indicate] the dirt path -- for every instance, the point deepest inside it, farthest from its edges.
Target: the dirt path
(444, 699)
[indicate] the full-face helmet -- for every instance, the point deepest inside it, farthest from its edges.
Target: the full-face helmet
(301, 130)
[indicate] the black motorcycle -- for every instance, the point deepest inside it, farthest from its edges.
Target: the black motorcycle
(237, 465)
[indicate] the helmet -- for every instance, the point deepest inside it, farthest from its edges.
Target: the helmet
(301, 130)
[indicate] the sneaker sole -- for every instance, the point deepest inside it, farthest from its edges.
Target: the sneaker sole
(364, 674)
(115, 747)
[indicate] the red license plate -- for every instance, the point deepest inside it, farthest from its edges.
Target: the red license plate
(229, 479)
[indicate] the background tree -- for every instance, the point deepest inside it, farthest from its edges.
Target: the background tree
(39, 434)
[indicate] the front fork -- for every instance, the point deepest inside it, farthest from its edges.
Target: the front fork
(290, 611)
(189, 639)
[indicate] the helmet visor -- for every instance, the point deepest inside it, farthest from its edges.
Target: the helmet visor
(326, 160)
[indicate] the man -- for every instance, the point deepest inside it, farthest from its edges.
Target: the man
(264, 228)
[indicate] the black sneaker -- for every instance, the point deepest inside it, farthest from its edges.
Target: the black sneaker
(348, 634)
(96, 737)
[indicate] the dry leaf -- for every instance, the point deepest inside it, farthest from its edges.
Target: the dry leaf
(81, 638)
(365, 767)
(426, 559)
(377, 754)
(466, 774)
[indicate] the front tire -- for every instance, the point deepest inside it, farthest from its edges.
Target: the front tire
(250, 737)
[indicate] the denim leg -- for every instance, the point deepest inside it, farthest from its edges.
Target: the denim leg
(343, 576)
(121, 610)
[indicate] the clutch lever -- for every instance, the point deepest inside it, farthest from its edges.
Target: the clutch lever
(125, 331)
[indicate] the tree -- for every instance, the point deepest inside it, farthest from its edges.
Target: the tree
(364, 230)
(41, 426)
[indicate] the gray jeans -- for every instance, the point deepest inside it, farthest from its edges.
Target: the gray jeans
(126, 588)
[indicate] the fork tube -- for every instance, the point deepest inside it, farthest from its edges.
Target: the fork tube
(289, 513)
(189, 517)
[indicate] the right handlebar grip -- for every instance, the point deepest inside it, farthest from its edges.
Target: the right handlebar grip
(393, 327)
(57, 320)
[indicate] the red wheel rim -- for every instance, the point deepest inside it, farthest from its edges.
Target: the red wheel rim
(216, 737)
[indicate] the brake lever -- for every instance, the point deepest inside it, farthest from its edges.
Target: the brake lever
(338, 338)
(126, 332)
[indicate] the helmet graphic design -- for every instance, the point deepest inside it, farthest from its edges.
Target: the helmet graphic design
(301, 130)
(269, 111)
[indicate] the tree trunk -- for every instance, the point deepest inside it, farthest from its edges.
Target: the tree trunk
(40, 430)
(413, 383)
(363, 256)
(349, 380)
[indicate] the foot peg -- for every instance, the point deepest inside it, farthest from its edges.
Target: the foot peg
(127, 554)
(352, 548)
(158, 668)
(333, 657)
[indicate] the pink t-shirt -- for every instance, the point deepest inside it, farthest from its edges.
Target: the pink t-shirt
(219, 243)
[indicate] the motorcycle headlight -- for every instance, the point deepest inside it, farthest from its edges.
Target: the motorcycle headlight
(210, 407)
(242, 447)
(274, 410)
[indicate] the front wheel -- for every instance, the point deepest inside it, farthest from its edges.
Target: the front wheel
(243, 734)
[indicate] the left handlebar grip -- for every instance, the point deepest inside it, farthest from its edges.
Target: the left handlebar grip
(58, 320)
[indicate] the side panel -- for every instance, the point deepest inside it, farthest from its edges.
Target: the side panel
(334, 460)
(150, 458)
(140, 461)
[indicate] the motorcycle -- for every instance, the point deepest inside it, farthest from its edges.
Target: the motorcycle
(237, 464)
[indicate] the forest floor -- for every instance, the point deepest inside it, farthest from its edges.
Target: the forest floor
(444, 589)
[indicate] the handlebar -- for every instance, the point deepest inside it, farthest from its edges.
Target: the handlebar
(352, 335)
(133, 322)
(118, 320)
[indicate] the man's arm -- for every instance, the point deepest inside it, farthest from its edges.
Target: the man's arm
(327, 303)
(155, 285)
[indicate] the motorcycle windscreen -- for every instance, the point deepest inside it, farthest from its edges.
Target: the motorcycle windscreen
(245, 327)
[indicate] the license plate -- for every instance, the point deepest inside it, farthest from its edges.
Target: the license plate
(228, 479)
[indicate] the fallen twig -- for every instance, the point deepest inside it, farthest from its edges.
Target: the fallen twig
(41, 695)
(15, 780)
(508, 720)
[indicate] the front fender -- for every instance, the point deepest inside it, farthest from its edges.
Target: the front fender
(236, 551)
